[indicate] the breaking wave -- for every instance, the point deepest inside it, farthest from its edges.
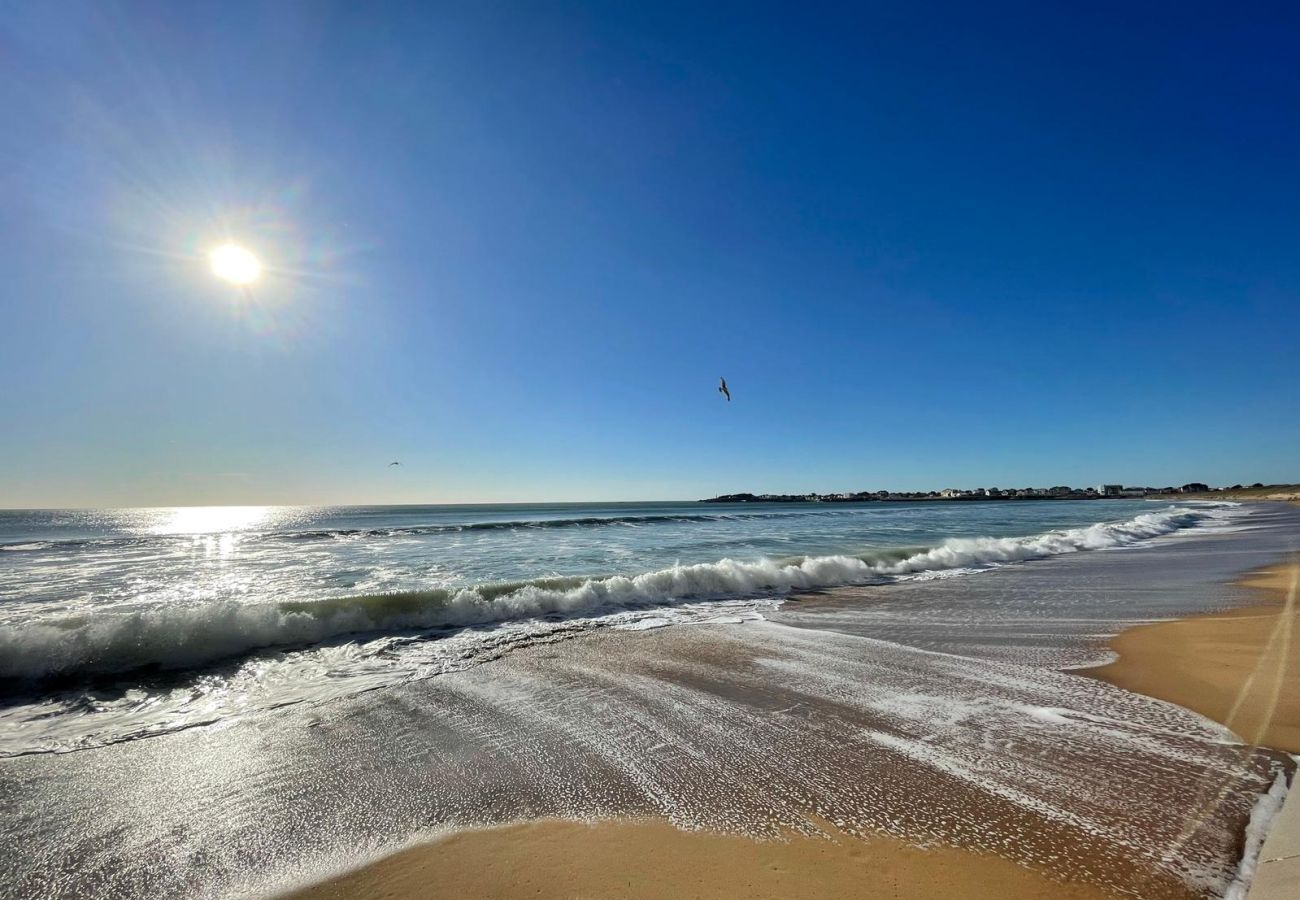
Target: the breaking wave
(182, 637)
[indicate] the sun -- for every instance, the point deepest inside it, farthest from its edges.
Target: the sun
(236, 264)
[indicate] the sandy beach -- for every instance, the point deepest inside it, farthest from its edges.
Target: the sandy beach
(1237, 667)
(654, 859)
(1276, 493)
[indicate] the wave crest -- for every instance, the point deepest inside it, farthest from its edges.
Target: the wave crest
(180, 637)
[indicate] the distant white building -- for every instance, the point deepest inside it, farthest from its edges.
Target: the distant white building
(1110, 490)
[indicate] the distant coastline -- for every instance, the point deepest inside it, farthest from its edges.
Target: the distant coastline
(1190, 491)
(1286, 493)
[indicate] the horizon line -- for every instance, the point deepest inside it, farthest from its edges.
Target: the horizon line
(552, 502)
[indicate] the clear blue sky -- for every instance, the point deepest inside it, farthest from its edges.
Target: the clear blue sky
(515, 245)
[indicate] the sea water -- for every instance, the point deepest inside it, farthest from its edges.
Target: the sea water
(118, 624)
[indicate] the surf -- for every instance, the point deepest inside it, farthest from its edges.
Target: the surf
(117, 641)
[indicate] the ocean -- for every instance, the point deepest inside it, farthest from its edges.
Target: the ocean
(121, 624)
(218, 703)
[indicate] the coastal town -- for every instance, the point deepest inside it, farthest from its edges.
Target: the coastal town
(1058, 492)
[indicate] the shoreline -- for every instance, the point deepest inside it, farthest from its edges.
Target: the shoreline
(1288, 493)
(1241, 668)
(653, 858)
(1235, 667)
(1238, 666)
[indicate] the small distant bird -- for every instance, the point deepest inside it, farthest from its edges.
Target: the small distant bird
(391, 464)
(722, 389)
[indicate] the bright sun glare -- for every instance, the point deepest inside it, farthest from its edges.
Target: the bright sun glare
(236, 264)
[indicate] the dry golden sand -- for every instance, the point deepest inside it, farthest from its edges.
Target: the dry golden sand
(654, 859)
(1240, 667)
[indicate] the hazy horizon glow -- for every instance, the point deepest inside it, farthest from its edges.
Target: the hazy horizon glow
(514, 248)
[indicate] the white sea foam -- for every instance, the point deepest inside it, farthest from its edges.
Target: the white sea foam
(1261, 817)
(194, 634)
(1052, 715)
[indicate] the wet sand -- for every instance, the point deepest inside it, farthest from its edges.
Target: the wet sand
(1237, 667)
(654, 859)
(1240, 667)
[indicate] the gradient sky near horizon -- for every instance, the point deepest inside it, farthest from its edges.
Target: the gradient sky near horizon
(515, 245)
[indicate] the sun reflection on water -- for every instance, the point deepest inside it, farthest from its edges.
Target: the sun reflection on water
(211, 519)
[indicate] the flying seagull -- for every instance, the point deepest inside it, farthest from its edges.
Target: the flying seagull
(391, 464)
(722, 389)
